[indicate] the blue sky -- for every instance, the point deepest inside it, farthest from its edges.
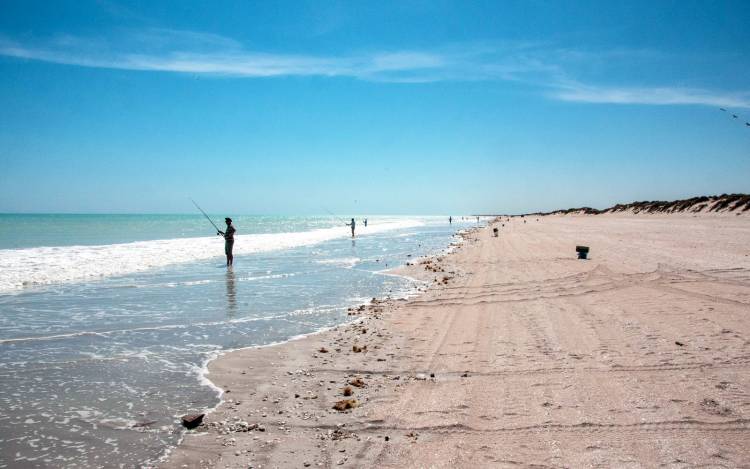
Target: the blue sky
(370, 107)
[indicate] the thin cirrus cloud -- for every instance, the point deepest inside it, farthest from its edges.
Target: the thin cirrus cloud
(653, 96)
(199, 53)
(535, 64)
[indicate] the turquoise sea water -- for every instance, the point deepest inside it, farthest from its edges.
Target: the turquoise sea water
(107, 321)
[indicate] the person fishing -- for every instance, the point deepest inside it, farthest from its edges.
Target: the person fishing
(352, 224)
(365, 222)
(450, 220)
(229, 240)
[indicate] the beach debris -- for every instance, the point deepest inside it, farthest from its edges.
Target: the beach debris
(323, 350)
(347, 391)
(345, 404)
(432, 375)
(358, 349)
(583, 251)
(240, 426)
(387, 438)
(713, 407)
(677, 342)
(465, 375)
(413, 435)
(192, 420)
(357, 383)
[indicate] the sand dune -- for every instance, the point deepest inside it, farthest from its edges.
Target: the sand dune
(735, 204)
(518, 355)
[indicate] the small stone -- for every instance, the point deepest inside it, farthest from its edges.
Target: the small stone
(357, 383)
(345, 404)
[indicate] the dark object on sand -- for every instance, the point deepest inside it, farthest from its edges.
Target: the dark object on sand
(345, 404)
(192, 421)
(583, 251)
(677, 342)
(357, 382)
(494, 232)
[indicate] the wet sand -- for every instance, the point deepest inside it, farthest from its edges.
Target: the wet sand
(518, 355)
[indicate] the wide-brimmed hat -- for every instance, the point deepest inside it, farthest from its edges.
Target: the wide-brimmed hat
(228, 219)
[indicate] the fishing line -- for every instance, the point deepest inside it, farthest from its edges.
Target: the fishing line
(204, 214)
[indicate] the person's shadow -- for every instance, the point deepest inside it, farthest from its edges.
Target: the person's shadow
(231, 293)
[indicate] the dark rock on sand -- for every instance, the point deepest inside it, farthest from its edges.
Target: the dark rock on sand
(345, 404)
(192, 420)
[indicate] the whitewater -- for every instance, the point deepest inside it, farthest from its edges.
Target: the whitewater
(29, 267)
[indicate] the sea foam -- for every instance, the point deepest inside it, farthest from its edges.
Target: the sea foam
(23, 268)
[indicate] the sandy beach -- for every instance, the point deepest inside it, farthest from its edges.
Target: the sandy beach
(517, 355)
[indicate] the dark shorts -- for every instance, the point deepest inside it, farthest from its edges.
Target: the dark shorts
(228, 245)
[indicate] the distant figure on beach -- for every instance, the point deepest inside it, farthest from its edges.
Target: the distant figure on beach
(229, 240)
(352, 224)
(365, 222)
(450, 220)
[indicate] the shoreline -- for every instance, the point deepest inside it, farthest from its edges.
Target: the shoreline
(356, 311)
(505, 351)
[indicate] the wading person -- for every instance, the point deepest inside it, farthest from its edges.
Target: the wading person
(229, 240)
(352, 224)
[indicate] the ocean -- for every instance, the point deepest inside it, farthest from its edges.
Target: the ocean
(107, 322)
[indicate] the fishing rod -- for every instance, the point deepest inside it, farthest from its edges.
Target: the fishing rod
(204, 214)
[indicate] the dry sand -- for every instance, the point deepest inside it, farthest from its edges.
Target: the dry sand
(637, 357)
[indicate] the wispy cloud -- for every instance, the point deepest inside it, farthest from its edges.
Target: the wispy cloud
(651, 96)
(198, 53)
(530, 63)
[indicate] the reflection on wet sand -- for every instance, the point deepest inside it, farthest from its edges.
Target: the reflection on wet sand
(231, 293)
